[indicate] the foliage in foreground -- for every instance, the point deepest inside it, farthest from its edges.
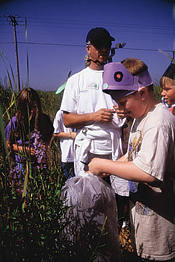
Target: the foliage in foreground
(32, 228)
(33, 218)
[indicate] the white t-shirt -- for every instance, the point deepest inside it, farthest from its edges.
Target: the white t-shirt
(152, 149)
(83, 94)
(66, 145)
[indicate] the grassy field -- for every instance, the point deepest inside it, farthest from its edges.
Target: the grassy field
(50, 102)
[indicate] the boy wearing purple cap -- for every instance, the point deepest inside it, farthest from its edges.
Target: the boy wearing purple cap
(150, 159)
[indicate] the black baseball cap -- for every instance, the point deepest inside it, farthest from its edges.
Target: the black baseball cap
(170, 71)
(99, 37)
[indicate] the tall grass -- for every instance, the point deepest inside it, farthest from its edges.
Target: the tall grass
(29, 223)
(33, 224)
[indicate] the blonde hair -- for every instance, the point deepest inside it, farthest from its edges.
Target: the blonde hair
(134, 66)
(164, 80)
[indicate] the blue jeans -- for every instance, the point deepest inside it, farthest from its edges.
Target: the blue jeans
(68, 170)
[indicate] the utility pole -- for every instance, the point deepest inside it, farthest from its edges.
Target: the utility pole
(14, 23)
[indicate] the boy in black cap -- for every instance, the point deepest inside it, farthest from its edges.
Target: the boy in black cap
(88, 109)
(167, 83)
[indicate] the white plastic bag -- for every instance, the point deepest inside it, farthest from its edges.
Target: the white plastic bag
(92, 204)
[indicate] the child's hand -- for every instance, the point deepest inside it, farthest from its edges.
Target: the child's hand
(120, 112)
(73, 135)
(94, 167)
(31, 150)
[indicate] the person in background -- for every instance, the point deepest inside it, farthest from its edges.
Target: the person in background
(66, 137)
(28, 133)
(167, 83)
(150, 160)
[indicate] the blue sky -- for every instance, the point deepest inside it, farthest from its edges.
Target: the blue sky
(56, 33)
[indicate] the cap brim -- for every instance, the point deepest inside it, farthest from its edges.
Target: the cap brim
(112, 38)
(103, 43)
(117, 94)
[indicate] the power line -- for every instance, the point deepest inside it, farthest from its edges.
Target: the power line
(146, 49)
(74, 23)
(42, 43)
(80, 22)
(81, 45)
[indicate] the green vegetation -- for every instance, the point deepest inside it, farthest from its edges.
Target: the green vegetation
(33, 221)
(50, 102)
(157, 91)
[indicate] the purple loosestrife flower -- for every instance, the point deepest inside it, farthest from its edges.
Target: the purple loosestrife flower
(15, 177)
(39, 161)
(39, 146)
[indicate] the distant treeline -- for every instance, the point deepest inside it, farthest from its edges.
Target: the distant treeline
(49, 100)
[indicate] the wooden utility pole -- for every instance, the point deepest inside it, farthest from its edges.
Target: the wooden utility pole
(14, 23)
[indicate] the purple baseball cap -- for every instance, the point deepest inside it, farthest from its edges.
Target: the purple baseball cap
(119, 82)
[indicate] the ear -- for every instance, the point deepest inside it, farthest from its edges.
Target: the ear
(88, 48)
(142, 90)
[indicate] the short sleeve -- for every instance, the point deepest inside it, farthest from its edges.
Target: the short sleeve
(153, 153)
(57, 123)
(69, 100)
(10, 126)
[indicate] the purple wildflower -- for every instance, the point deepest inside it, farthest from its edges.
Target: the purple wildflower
(40, 149)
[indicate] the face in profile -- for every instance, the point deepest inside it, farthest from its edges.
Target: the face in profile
(100, 54)
(168, 91)
(132, 105)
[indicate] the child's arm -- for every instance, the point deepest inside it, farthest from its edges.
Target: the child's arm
(126, 170)
(123, 158)
(17, 148)
(65, 135)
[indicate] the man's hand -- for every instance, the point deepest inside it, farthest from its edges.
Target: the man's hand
(103, 115)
